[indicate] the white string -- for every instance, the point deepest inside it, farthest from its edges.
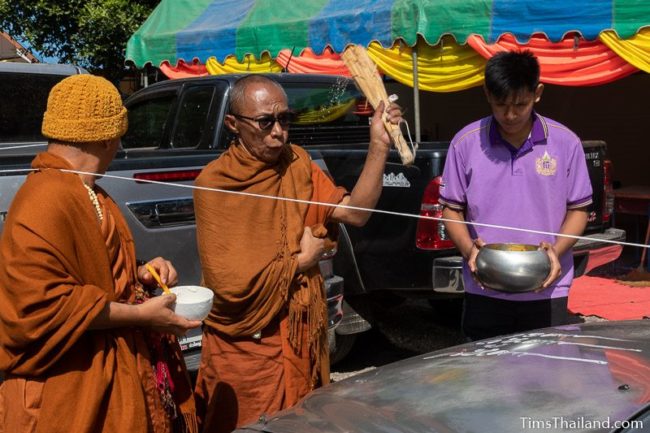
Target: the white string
(414, 146)
(20, 170)
(22, 146)
(379, 211)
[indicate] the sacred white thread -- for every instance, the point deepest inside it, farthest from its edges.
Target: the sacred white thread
(23, 145)
(295, 200)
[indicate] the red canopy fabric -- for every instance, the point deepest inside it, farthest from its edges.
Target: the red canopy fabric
(310, 63)
(183, 70)
(573, 61)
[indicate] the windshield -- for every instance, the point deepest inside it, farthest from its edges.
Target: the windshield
(328, 113)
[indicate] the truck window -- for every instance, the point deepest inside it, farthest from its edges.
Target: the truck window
(328, 114)
(192, 117)
(24, 99)
(151, 116)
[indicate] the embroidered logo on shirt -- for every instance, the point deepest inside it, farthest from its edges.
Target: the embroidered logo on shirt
(546, 166)
(399, 180)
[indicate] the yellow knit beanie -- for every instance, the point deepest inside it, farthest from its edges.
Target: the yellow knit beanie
(84, 108)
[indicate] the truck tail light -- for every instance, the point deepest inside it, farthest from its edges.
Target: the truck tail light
(431, 234)
(608, 193)
(168, 176)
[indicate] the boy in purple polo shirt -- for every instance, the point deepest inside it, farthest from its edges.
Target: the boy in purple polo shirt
(517, 169)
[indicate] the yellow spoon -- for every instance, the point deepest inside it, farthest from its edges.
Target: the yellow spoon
(156, 277)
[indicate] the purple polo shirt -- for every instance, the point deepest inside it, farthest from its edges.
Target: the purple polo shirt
(531, 187)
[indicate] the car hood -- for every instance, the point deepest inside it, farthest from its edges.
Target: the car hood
(578, 377)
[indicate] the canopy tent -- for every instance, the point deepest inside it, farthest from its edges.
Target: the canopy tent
(583, 42)
(434, 45)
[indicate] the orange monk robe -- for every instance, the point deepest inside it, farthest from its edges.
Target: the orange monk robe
(58, 269)
(248, 248)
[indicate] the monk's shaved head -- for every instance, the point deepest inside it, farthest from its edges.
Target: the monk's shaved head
(238, 92)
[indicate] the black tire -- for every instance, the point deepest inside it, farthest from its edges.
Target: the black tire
(340, 346)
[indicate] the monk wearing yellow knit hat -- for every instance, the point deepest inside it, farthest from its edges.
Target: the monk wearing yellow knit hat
(84, 347)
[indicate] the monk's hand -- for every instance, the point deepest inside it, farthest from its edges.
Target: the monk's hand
(157, 313)
(556, 268)
(379, 137)
(165, 269)
(311, 250)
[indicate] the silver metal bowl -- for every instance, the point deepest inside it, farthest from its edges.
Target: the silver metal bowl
(512, 267)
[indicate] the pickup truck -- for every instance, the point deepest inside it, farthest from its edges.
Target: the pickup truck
(176, 127)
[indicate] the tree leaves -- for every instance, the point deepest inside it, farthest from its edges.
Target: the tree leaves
(88, 33)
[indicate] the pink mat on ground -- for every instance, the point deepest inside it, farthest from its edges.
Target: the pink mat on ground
(606, 298)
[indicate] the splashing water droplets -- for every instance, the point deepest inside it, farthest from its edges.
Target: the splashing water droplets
(337, 91)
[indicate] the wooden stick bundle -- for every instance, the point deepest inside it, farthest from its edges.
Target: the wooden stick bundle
(365, 74)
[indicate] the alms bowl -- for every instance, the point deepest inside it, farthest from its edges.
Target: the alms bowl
(192, 302)
(512, 267)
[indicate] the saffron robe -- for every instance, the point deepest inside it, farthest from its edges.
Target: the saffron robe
(58, 269)
(248, 247)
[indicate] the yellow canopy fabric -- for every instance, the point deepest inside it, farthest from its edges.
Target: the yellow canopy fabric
(635, 50)
(250, 65)
(445, 67)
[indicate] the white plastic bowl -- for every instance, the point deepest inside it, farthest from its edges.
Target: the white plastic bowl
(192, 302)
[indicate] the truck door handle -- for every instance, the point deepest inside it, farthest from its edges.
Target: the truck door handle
(175, 212)
(163, 213)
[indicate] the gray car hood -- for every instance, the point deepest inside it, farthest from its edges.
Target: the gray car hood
(577, 378)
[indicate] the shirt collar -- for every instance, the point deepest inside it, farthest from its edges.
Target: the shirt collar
(538, 133)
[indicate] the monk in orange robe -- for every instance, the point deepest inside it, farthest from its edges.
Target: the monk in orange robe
(265, 340)
(82, 346)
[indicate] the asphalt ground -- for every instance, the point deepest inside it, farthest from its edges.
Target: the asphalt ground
(406, 330)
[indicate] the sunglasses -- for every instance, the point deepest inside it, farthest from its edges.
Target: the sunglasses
(267, 121)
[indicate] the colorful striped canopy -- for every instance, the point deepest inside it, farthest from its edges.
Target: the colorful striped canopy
(579, 42)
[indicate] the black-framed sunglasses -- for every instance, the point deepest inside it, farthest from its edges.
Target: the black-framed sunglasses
(267, 121)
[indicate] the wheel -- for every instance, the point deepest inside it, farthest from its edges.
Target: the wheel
(340, 345)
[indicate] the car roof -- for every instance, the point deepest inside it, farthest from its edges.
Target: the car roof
(40, 68)
(579, 374)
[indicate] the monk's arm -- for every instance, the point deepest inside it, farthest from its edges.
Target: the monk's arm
(368, 188)
(155, 313)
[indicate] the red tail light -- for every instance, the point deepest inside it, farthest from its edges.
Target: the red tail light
(431, 234)
(168, 176)
(608, 193)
